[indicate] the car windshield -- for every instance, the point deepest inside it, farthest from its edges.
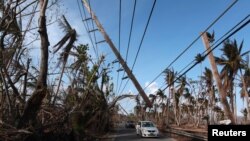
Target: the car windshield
(147, 124)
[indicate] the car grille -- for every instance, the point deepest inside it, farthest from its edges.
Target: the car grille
(151, 131)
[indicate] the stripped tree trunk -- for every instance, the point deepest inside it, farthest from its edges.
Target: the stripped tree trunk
(34, 102)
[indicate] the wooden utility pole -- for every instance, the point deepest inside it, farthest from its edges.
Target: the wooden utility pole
(216, 75)
(117, 54)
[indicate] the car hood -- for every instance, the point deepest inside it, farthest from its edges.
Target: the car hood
(149, 128)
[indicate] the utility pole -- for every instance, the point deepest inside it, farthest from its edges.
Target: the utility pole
(216, 75)
(119, 57)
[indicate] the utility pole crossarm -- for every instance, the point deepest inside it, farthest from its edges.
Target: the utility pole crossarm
(117, 54)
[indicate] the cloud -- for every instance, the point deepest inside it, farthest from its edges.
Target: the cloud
(152, 88)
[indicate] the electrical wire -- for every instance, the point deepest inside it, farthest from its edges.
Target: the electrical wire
(142, 39)
(213, 48)
(203, 53)
(86, 27)
(144, 33)
(195, 40)
(131, 30)
(119, 43)
(130, 34)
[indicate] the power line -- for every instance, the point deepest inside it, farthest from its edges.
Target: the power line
(119, 43)
(130, 34)
(203, 53)
(120, 15)
(142, 39)
(126, 83)
(86, 27)
(144, 33)
(213, 48)
(131, 29)
(192, 43)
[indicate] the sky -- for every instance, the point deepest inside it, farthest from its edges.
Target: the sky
(174, 25)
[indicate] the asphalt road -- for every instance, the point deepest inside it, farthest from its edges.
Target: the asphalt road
(124, 134)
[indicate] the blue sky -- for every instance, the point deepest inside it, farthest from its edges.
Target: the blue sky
(173, 26)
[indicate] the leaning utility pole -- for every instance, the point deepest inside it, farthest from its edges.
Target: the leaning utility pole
(216, 75)
(117, 54)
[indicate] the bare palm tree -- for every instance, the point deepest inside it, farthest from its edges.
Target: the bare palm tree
(163, 105)
(67, 42)
(208, 77)
(181, 88)
(170, 76)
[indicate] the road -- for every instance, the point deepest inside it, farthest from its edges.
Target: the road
(124, 134)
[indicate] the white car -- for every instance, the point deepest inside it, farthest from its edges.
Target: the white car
(147, 129)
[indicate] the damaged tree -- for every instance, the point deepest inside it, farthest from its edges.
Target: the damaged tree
(33, 104)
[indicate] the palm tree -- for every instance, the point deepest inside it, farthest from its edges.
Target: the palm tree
(80, 65)
(208, 77)
(231, 61)
(152, 109)
(170, 76)
(81, 57)
(190, 105)
(94, 109)
(170, 79)
(181, 88)
(161, 94)
(67, 42)
(163, 105)
(138, 107)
